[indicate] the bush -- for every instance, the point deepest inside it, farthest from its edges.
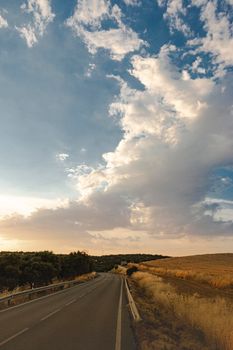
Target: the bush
(131, 270)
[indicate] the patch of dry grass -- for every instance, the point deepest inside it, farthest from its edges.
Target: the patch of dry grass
(86, 277)
(213, 317)
(119, 270)
(214, 269)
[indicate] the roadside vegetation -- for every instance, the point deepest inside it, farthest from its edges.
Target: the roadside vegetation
(35, 269)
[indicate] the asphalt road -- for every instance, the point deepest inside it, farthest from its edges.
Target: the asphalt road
(89, 316)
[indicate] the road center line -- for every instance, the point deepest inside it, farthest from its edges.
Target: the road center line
(14, 336)
(70, 302)
(118, 329)
(49, 315)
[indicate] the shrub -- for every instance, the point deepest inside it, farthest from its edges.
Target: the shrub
(131, 270)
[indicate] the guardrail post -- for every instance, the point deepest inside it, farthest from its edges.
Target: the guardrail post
(9, 301)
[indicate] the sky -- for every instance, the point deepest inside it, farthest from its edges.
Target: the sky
(116, 126)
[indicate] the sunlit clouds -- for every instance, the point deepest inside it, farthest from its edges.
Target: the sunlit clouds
(135, 131)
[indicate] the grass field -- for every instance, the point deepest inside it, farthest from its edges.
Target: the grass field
(214, 269)
(186, 303)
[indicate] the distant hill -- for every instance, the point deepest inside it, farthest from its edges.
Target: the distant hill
(107, 262)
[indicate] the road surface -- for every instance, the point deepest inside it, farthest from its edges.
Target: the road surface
(89, 316)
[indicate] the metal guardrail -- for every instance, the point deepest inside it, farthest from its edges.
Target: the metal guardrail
(30, 292)
(132, 304)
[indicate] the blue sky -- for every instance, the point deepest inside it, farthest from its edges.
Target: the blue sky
(116, 125)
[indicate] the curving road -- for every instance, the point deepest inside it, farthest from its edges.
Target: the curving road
(89, 316)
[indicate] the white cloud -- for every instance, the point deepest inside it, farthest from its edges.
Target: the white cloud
(217, 24)
(86, 23)
(3, 22)
(132, 2)
(143, 114)
(176, 132)
(160, 168)
(28, 33)
(196, 66)
(90, 12)
(91, 68)
(42, 15)
(62, 156)
(219, 40)
(220, 209)
(157, 179)
(174, 15)
(119, 41)
(87, 178)
(185, 95)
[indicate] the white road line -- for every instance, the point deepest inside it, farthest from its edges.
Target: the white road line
(14, 336)
(70, 302)
(49, 315)
(118, 329)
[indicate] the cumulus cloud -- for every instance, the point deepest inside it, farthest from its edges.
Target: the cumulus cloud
(42, 14)
(86, 23)
(177, 129)
(162, 165)
(185, 95)
(158, 178)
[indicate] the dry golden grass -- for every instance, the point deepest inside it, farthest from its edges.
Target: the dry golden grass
(86, 277)
(120, 270)
(214, 269)
(212, 316)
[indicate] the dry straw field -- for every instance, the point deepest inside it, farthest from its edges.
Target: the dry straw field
(214, 269)
(184, 319)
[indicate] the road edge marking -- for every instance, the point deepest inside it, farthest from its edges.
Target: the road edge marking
(119, 316)
(14, 336)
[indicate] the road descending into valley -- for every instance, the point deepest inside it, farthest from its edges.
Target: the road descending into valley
(90, 316)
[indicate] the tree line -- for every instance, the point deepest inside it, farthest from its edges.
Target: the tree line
(40, 268)
(108, 262)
